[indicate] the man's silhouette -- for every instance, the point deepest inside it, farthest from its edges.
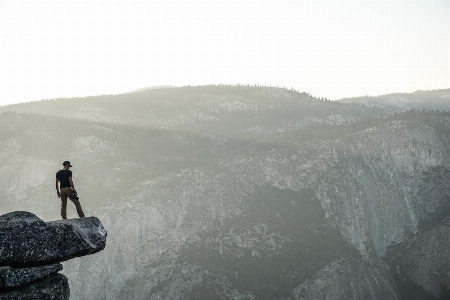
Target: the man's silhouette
(64, 177)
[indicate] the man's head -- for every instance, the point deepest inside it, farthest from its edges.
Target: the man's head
(67, 164)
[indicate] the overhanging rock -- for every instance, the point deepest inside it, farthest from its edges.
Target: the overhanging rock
(26, 240)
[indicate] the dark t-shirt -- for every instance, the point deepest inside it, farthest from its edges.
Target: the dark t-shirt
(63, 177)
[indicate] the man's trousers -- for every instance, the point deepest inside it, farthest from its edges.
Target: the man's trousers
(67, 193)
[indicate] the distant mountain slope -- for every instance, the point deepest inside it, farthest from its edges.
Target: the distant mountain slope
(228, 192)
(436, 99)
(153, 88)
(263, 109)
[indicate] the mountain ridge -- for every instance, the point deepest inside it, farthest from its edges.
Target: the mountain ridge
(430, 99)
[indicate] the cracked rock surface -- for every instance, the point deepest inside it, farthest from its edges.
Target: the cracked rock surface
(53, 287)
(26, 240)
(15, 277)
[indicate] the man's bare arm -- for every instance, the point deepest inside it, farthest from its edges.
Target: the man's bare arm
(72, 186)
(57, 188)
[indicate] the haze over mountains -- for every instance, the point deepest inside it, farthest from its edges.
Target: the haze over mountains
(436, 100)
(243, 192)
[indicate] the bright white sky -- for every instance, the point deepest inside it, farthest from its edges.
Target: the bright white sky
(332, 49)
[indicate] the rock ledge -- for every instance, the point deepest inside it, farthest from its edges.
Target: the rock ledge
(31, 251)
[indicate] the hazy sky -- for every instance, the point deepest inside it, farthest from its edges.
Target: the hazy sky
(333, 49)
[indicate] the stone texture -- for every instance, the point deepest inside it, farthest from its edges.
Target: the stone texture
(349, 278)
(53, 287)
(15, 277)
(26, 240)
(427, 261)
(374, 188)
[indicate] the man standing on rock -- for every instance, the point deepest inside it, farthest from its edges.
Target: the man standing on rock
(64, 176)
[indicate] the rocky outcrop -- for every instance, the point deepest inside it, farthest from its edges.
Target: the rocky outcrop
(349, 278)
(15, 277)
(26, 240)
(31, 249)
(53, 287)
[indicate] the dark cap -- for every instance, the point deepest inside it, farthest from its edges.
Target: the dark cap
(67, 163)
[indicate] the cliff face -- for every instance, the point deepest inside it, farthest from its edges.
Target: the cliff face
(376, 188)
(381, 184)
(243, 193)
(427, 261)
(348, 279)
